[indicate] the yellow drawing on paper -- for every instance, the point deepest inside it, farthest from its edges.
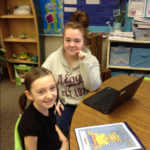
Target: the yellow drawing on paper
(101, 139)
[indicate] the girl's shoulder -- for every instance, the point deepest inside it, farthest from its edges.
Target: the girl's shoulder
(29, 115)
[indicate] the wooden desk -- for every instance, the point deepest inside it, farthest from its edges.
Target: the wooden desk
(135, 112)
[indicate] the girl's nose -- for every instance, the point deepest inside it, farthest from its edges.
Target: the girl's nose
(49, 95)
(71, 43)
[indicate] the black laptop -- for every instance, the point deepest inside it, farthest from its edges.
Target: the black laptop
(108, 99)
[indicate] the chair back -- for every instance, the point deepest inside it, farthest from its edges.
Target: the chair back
(17, 142)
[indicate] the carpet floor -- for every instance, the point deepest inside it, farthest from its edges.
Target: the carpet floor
(9, 111)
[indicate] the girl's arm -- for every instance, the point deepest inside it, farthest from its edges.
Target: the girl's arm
(30, 142)
(90, 72)
(63, 139)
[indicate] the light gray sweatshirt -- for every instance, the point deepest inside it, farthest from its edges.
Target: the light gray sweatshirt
(74, 82)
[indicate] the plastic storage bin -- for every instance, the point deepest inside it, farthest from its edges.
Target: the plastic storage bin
(140, 58)
(20, 71)
(120, 56)
(142, 35)
(119, 72)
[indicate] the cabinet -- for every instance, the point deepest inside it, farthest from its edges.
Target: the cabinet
(132, 44)
(12, 26)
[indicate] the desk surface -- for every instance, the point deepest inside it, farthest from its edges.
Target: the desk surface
(136, 112)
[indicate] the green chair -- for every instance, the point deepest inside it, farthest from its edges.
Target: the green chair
(18, 144)
(147, 78)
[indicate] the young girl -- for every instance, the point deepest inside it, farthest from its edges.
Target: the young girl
(75, 69)
(37, 127)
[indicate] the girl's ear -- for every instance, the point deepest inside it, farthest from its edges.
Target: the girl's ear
(28, 94)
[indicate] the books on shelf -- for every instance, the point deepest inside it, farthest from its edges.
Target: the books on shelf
(142, 19)
(118, 35)
(141, 23)
(115, 136)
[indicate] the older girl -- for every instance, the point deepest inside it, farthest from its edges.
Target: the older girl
(75, 69)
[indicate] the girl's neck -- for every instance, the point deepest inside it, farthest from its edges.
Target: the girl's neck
(71, 60)
(43, 111)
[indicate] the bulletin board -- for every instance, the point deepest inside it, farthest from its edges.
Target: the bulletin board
(99, 14)
(54, 14)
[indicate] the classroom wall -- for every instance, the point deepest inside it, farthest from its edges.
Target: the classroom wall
(52, 43)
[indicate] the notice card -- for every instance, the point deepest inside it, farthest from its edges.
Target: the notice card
(94, 2)
(70, 2)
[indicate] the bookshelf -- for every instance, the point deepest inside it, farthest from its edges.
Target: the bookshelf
(12, 26)
(132, 44)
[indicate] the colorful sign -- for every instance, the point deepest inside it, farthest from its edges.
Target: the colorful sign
(52, 16)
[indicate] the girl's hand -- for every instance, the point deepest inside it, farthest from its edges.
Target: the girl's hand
(63, 139)
(58, 107)
(65, 145)
(81, 54)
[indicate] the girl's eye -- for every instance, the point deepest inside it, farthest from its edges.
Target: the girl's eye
(53, 88)
(77, 41)
(67, 40)
(41, 92)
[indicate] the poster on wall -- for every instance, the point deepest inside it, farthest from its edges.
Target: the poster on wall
(148, 9)
(52, 16)
(136, 8)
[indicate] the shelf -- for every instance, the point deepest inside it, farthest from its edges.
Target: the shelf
(134, 43)
(28, 40)
(125, 41)
(128, 68)
(21, 61)
(17, 16)
(16, 25)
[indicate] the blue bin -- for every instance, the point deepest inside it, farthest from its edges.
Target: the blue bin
(140, 57)
(119, 56)
(115, 73)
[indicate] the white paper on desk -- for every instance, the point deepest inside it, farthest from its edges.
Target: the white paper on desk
(84, 141)
(70, 2)
(97, 137)
(70, 9)
(93, 2)
(136, 8)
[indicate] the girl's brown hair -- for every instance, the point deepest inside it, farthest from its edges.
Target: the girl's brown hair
(79, 20)
(30, 77)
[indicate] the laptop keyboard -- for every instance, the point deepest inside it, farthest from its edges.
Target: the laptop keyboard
(102, 100)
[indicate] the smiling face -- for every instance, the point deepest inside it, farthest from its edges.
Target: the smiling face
(73, 41)
(43, 93)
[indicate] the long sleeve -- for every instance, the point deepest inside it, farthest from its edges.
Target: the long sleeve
(90, 72)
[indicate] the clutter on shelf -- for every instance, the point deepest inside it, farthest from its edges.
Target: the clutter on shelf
(22, 10)
(20, 72)
(2, 59)
(23, 35)
(25, 56)
(141, 28)
(118, 35)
